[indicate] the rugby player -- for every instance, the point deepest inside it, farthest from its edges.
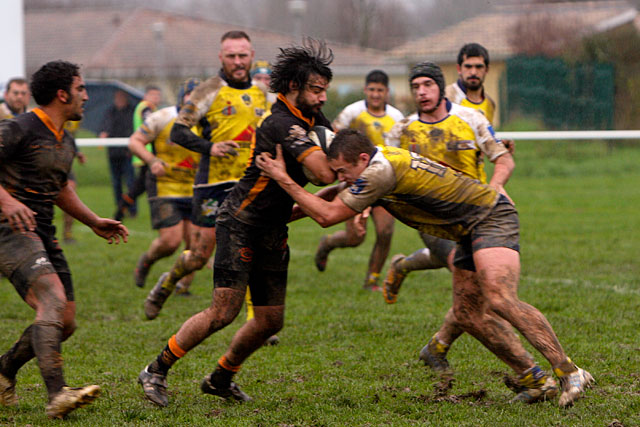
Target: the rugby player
(225, 110)
(251, 229)
(374, 117)
(437, 200)
(35, 159)
(16, 98)
(170, 183)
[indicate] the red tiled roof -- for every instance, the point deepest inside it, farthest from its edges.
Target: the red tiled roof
(122, 43)
(493, 29)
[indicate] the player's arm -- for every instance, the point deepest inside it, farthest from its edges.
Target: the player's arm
(316, 162)
(145, 134)
(107, 228)
(325, 213)
(325, 193)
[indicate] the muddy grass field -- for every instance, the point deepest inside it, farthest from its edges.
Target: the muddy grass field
(346, 357)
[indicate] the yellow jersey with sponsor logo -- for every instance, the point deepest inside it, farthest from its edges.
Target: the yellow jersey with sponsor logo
(223, 113)
(457, 94)
(421, 193)
(458, 141)
(180, 163)
(357, 116)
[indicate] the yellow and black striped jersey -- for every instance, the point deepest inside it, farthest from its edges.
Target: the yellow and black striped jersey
(458, 141)
(229, 114)
(357, 116)
(181, 163)
(457, 94)
(421, 193)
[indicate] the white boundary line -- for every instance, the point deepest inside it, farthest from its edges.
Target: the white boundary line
(519, 136)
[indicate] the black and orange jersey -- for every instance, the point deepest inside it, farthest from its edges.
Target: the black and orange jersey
(258, 200)
(35, 160)
(423, 194)
(457, 93)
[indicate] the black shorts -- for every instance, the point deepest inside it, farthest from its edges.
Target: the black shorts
(253, 256)
(501, 229)
(167, 212)
(25, 257)
(207, 202)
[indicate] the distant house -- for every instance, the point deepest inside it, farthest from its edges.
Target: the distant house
(495, 31)
(141, 46)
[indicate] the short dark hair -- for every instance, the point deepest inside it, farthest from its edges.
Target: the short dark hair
(15, 80)
(473, 49)
(235, 34)
(377, 76)
(296, 63)
(50, 78)
(350, 143)
(149, 88)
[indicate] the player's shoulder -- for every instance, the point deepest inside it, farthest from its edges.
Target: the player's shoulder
(454, 93)
(208, 88)
(394, 113)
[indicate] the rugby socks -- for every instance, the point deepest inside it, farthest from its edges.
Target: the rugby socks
(221, 377)
(178, 271)
(46, 341)
(18, 355)
(565, 367)
(167, 357)
(419, 260)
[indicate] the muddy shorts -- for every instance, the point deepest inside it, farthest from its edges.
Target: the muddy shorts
(25, 257)
(167, 212)
(207, 202)
(253, 256)
(501, 229)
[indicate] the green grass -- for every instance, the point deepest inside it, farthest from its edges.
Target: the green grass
(347, 358)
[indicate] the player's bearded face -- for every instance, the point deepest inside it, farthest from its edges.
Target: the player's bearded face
(473, 72)
(236, 56)
(77, 97)
(313, 96)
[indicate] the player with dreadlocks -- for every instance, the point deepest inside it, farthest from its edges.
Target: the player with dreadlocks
(251, 228)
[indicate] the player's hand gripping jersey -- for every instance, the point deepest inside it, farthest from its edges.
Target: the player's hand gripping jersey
(458, 141)
(222, 113)
(457, 94)
(421, 193)
(356, 116)
(180, 163)
(258, 200)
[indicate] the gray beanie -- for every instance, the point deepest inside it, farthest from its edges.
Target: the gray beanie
(431, 70)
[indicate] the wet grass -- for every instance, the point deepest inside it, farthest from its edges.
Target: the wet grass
(347, 358)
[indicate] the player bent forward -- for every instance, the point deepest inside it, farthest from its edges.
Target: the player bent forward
(35, 160)
(434, 199)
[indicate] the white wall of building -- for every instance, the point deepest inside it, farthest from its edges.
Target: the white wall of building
(12, 34)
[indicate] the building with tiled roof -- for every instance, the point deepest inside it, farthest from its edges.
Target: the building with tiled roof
(495, 31)
(140, 46)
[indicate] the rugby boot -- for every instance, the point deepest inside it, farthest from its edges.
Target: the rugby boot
(141, 271)
(434, 354)
(182, 289)
(156, 298)
(371, 283)
(154, 386)
(572, 384)
(272, 340)
(8, 391)
(70, 398)
(536, 385)
(322, 253)
(231, 392)
(393, 281)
